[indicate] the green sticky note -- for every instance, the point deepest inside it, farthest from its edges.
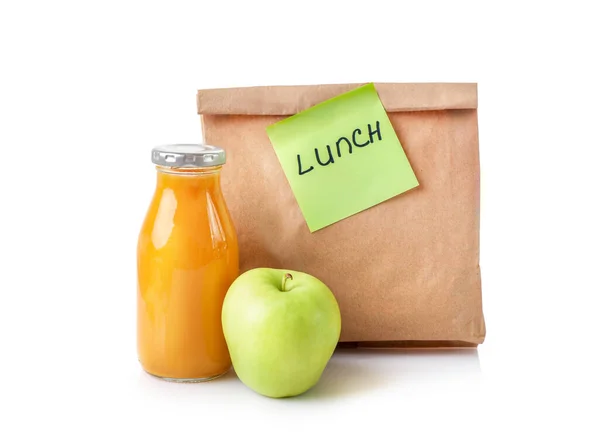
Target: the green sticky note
(341, 157)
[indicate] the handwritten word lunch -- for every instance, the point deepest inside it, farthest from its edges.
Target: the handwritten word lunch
(357, 139)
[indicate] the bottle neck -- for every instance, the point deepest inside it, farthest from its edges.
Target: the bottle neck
(188, 178)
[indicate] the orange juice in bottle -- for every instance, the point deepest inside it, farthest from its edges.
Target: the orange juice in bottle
(187, 257)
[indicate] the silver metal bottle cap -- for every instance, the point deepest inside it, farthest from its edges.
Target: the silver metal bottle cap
(188, 155)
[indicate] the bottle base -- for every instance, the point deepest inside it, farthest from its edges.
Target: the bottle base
(189, 380)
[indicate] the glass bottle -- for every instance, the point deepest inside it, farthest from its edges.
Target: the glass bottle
(187, 257)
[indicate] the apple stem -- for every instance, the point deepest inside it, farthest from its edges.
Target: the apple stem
(285, 278)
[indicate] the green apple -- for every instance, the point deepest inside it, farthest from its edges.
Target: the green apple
(281, 328)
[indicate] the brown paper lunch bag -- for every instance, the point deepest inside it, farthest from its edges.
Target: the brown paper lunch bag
(404, 272)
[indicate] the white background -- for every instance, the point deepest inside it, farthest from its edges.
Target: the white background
(87, 88)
